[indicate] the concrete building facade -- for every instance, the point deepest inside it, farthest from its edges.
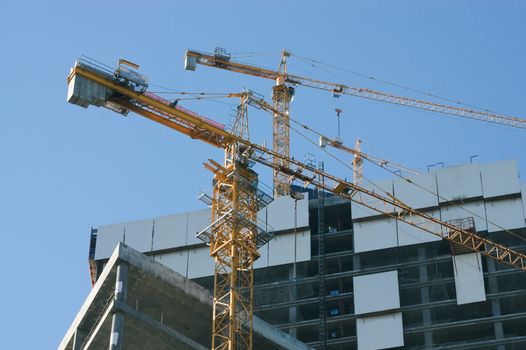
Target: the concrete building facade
(337, 276)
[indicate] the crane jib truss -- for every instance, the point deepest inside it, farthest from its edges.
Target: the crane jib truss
(336, 88)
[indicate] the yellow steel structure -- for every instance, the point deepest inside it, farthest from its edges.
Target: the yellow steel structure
(282, 94)
(281, 97)
(128, 63)
(233, 235)
(233, 239)
(224, 62)
(358, 163)
(233, 245)
(359, 156)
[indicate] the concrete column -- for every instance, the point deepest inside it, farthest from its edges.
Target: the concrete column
(293, 310)
(121, 286)
(356, 262)
(493, 288)
(78, 338)
(424, 296)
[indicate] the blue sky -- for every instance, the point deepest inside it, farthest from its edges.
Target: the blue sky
(66, 169)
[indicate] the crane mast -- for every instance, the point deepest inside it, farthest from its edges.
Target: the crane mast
(358, 163)
(359, 156)
(282, 93)
(233, 235)
(281, 97)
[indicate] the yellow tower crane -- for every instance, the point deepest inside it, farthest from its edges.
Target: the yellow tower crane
(359, 156)
(282, 93)
(233, 235)
(224, 62)
(285, 88)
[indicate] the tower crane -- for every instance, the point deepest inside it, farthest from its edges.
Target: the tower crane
(282, 93)
(285, 87)
(359, 156)
(224, 62)
(233, 235)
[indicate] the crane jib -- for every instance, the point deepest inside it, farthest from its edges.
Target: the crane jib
(336, 88)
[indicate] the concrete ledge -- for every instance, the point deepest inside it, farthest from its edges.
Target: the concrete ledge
(163, 310)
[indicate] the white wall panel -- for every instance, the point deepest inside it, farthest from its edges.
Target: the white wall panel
(473, 209)
(281, 248)
(303, 246)
(506, 213)
(279, 214)
(170, 231)
(303, 212)
(197, 221)
(376, 292)
(138, 235)
(108, 236)
(360, 211)
(176, 261)
(200, 263)
(374, 234)
(469, 279)
(414, 194)
(523, 195)
(380, 332)
(408, 234)
(500, 178)
(459, 182)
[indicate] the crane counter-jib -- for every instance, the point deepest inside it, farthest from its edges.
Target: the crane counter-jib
(89, 85)
(198, 127)
(194, 57)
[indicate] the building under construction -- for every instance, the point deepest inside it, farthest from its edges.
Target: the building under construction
(335, 275)
(432, 261)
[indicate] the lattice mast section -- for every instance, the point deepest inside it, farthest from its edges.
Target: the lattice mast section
(233, 247)
(234, 238)
(281, 96)
(357, 163)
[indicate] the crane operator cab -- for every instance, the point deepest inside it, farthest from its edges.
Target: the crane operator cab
(128, 77)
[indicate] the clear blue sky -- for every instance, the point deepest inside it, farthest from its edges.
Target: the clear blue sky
(65, 169)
